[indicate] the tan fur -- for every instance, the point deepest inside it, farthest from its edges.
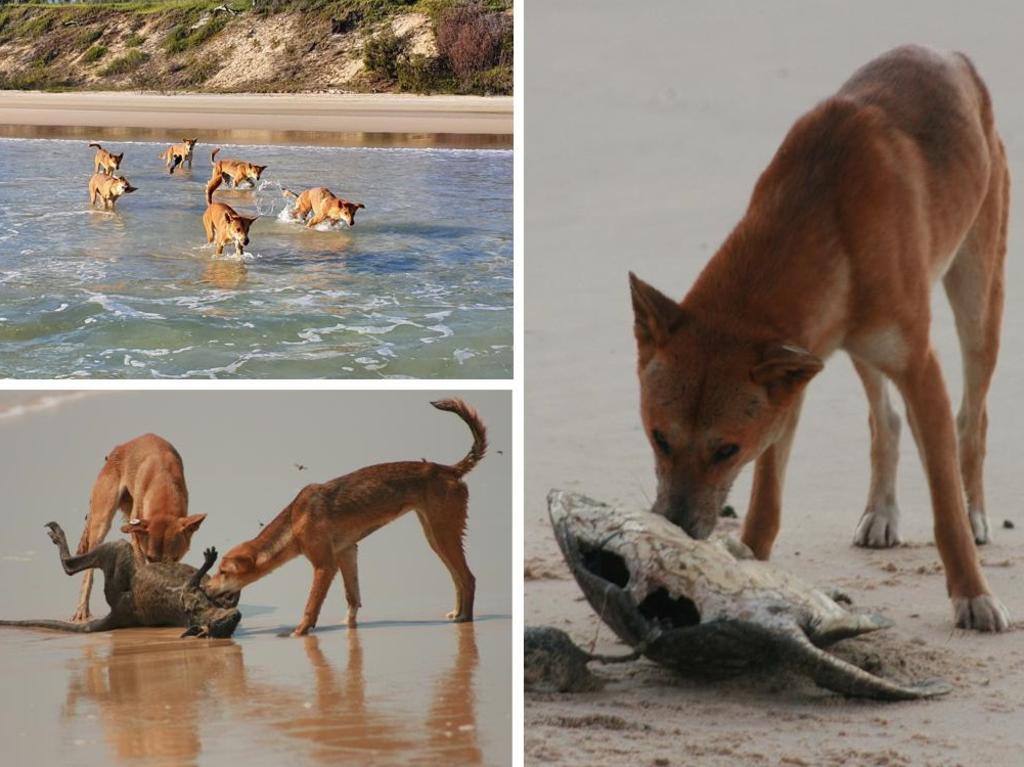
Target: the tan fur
(224, 225)
(179, 154)
(898, 180)
(146, 480)
(324, 205)
(325, 522)
(234, 171)
(108, 189)
(106, 162)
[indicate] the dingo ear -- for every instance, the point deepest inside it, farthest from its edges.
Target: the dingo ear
(136, 527)
(190, 524)
(785, 369)
(655, 315)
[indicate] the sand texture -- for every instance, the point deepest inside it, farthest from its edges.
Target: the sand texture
(641, 156)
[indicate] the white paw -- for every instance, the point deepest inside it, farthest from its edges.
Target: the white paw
(979, 526)
(981, 613)
(879, 529)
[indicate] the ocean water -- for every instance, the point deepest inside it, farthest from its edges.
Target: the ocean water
(421, 286)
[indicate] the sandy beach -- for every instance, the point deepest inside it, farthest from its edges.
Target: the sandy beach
(376, 119)
(641, 156)
(406, 687)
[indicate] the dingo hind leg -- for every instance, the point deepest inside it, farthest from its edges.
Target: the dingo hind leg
(106, 498)
(974, 286)
(348, 564)
(444, 524)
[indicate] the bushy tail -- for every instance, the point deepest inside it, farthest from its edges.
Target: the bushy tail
(211, 187)
(286, 193)
(213, 155)
(472, 419)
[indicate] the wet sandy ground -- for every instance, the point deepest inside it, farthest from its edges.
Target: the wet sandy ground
(641, 154)
(406, 687)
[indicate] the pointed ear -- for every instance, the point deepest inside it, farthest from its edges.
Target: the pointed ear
(785, 370)
(655, 315)
(136, 527)
(191, 524)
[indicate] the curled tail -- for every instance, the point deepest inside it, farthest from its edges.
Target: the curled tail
(96, 145)
(286, 193)
(212, 185)
(472, 419)
(213, 155)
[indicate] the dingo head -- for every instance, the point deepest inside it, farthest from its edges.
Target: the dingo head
(237, 570)
(710, 400)
(343, 210)
(238, 229)
(120, 185)
(115, 160)
(189, 144)
(253, 172)
(163, 538)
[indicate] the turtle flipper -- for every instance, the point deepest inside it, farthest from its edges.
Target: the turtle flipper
(835, 674)
(845, 626)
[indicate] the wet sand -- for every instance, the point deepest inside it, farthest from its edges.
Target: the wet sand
(642, 156)
(406, 687)
(363, 119)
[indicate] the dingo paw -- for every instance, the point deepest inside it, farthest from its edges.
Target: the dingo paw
(879, 529)
(979, 526)
(981, 613)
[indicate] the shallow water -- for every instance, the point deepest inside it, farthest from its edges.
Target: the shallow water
(420, 287)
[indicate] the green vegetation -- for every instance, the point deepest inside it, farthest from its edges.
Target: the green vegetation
(126, 64)
(45, 46)
(95, 53)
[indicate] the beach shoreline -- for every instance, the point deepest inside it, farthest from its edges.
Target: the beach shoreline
(312, 118)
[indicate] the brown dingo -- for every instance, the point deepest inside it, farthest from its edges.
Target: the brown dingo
(324, 205)
(106, 162)
(178, 154)
(224, 225)
(108, 189)
(896, 182)
(325, 522)
(146, 480)
(234, 171)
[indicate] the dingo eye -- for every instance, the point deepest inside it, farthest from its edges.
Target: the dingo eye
(661, 442)
(724, 453)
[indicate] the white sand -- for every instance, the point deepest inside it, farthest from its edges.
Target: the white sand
(646, 129)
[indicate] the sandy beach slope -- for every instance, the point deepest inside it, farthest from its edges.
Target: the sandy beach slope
(641, 155)
(347, 113)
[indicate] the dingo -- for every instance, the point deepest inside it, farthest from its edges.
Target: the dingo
(324, 205)
(106, 162)
(146, 480)
(234, 171)
(325, 522)
(108, 189)
(896, 182)
(178, 154)
(224, 225)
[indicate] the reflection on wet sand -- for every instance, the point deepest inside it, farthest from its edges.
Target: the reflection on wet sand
(148, 691)
(226, 274)
(153, 694)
